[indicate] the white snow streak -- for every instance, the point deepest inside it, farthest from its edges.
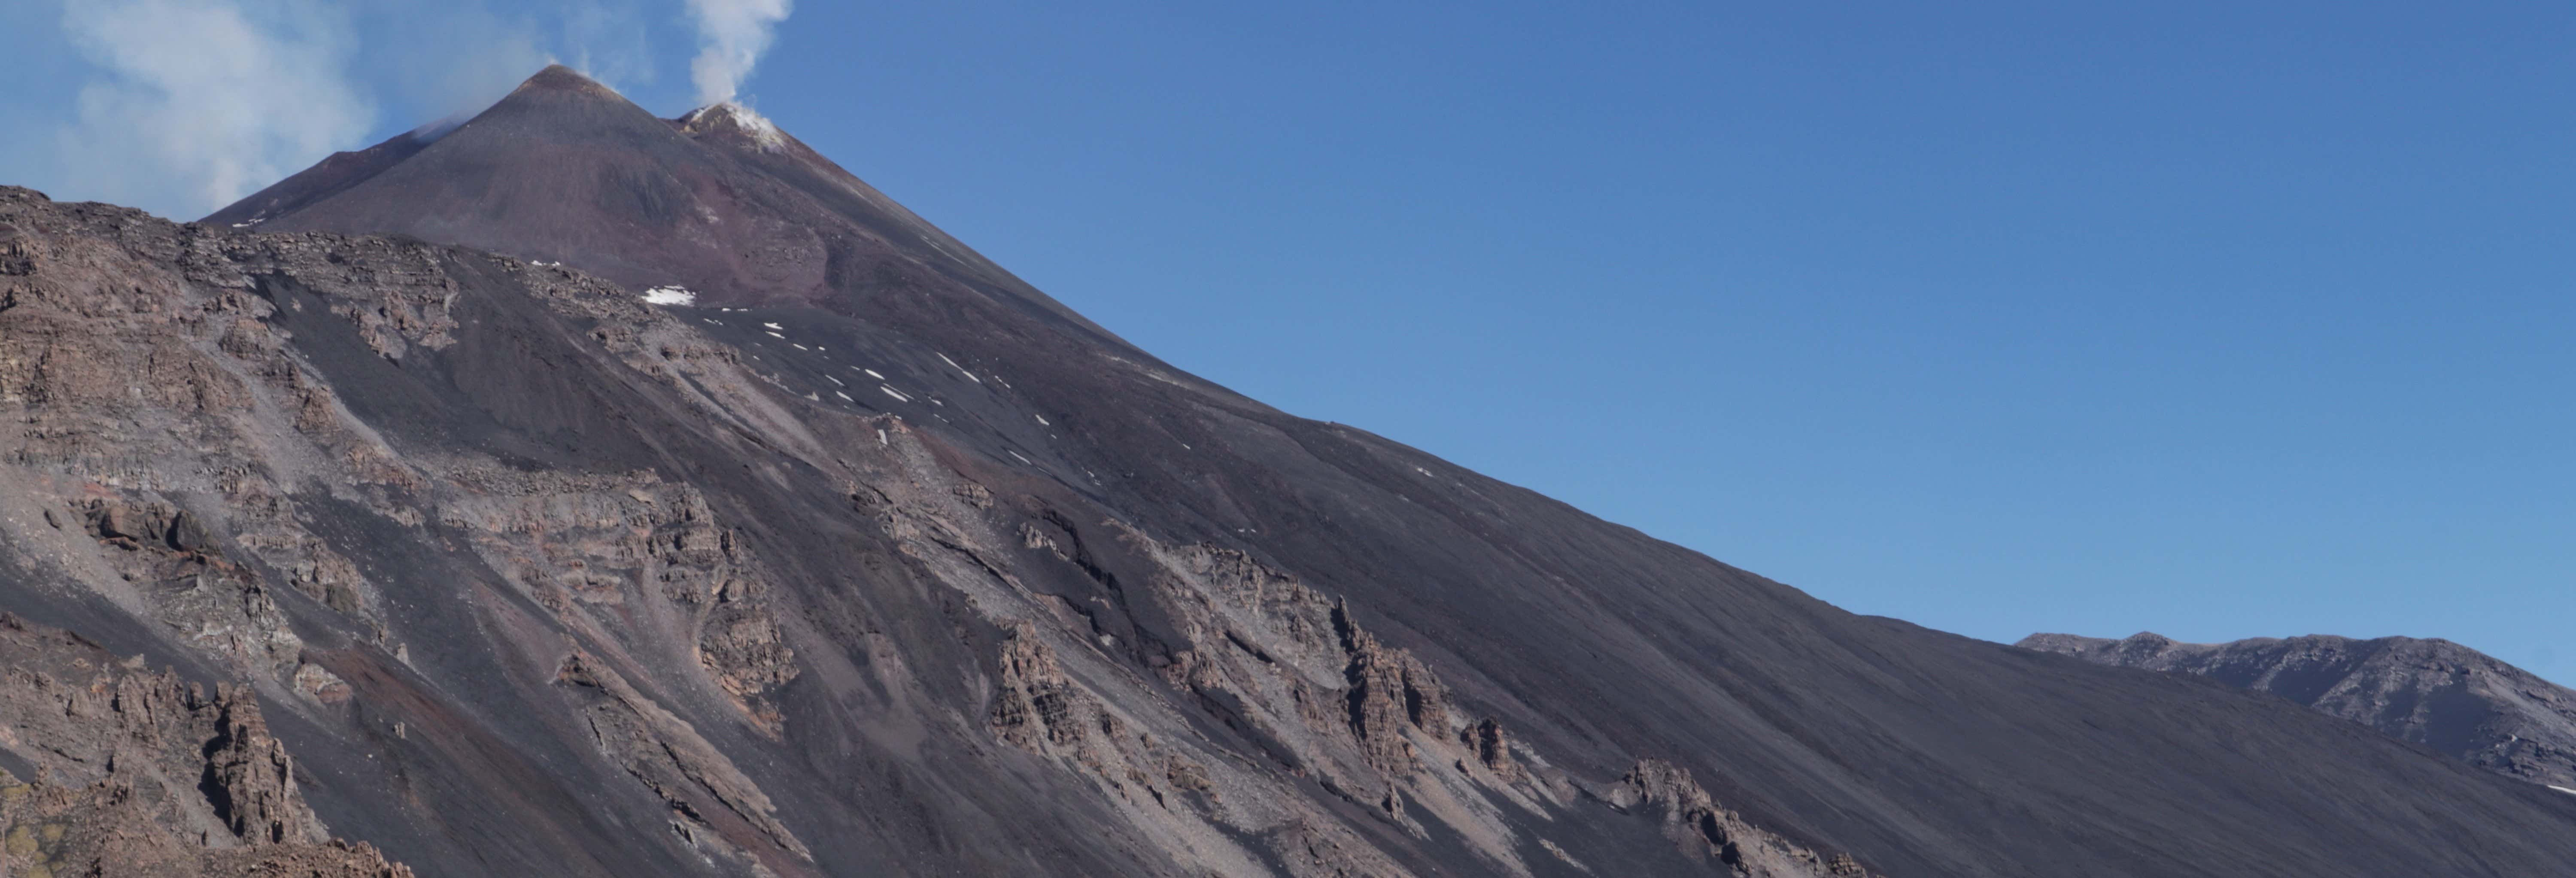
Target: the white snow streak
(961, 370)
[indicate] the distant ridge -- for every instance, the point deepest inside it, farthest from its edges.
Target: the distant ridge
(2464, 703)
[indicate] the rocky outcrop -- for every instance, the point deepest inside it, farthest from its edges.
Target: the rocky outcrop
(181, 417)
(251, 780)
(640, 559)
(1034, 703)
(706, 792)
(741, 645)
(1492, 749)
(176, 563)
(2464, 703)
(1351, 707)
(1037, 707)
(1390, 694)
(138, 773)
(1693, 819)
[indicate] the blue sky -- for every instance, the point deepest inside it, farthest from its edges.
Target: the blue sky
(2195, 318)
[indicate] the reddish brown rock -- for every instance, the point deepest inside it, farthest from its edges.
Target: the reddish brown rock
(140, 774)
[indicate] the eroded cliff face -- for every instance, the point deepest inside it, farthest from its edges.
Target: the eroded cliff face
(1117, 649)
(117, 769)
(548, 575)
(1695, 820)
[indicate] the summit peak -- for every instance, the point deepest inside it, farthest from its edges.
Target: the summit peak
(557, 77)
(729, 118)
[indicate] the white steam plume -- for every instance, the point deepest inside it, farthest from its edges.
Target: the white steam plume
(731, 36)
(204, 101)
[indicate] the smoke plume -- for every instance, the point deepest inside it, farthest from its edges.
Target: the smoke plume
(204, 101)
(190, 105)
(731, 36)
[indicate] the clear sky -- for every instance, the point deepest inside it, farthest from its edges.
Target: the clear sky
(2202, 318)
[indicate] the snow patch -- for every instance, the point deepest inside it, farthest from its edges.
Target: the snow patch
(670, 296)
(961, 370)
(1023, 458)
(772, 326)
(898, 395)
(777, 336)
(762, 132)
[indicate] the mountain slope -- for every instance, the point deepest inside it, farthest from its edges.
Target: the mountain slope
(877, 560)
(533, 578)
(720, 202)
(2456, 700)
